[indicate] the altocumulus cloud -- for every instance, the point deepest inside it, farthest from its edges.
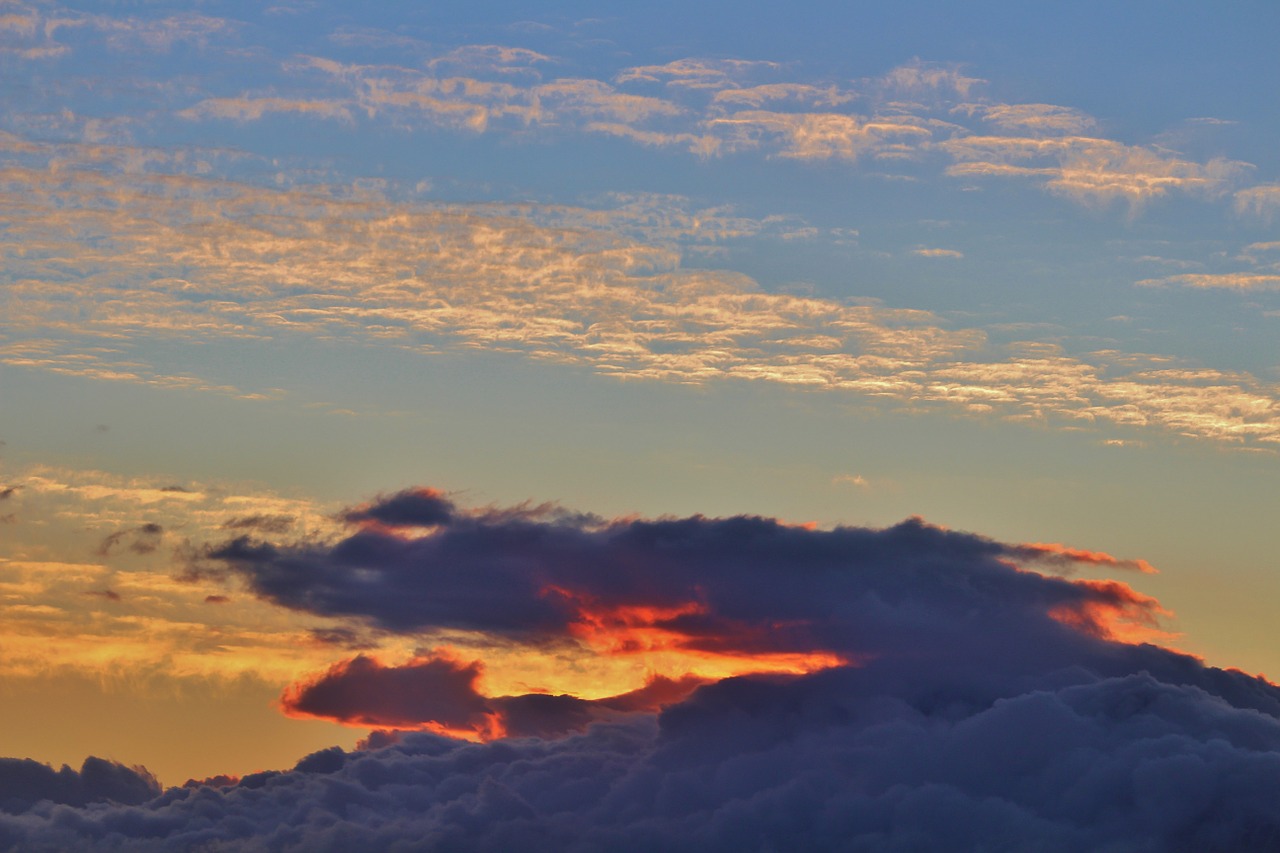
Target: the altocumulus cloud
(954, 700)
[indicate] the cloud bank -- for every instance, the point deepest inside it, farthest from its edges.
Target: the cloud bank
(957, 699)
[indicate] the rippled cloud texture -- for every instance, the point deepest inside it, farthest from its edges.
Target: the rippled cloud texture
(940, 694)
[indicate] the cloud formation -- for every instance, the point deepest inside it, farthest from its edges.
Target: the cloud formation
(605, 288)
(982, 704)
(690, 597)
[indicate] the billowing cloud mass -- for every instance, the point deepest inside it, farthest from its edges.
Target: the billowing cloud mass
(961, 700)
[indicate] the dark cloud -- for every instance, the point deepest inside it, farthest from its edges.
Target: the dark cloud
(744, 584)
(418, 507)
(216, 599)
(346, 638)
(746, 587)
(108, 594)
(364, 692)
(7, 492)
(261, 523)
(144, 539)
(982, 706)
(25, 783)
(441, 692)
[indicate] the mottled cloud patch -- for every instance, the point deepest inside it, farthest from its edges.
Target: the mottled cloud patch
(1091, 170)
(1045, 119)
(609, 287)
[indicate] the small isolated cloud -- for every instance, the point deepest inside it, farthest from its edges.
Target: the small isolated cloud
(143, 539)
(856, 480)
(361, 691)
(1122, 442)
(938, 253)
(265, 523)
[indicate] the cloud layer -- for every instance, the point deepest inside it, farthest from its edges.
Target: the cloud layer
(234, 262)
(981, 703)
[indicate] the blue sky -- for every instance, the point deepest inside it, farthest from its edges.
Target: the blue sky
(1013, 269)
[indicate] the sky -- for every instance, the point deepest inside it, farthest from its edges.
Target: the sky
(410, 390)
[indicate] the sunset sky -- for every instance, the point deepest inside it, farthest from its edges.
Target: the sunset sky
(297, 298)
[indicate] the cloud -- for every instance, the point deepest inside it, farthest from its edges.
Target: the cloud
(917, 78)
(696, 596)
(1044, 119)
(234, 261)
(439, 692)
(1057, 553)
(24, 783)
(982, 704)
(693, 73)
(1261, 201)
(144, 539)
(265, 523)
(56, 614)
(758, 96)
(1213, 281)
(409, 508)
(1091, 170)
(253, 108)
(823, 136)
(938, 253)
(492, 57)
(361, 691)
